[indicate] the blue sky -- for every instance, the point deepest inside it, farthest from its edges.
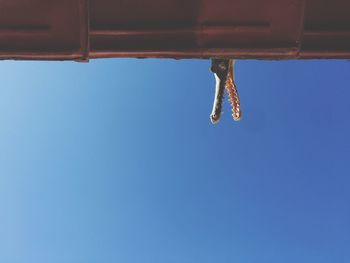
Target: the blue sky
(117, 161)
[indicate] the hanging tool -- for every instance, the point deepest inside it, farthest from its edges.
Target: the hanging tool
(223, 70)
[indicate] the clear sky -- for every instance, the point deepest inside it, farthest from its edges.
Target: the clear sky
(117, 161)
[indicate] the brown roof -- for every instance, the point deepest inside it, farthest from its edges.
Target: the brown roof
(260, 29)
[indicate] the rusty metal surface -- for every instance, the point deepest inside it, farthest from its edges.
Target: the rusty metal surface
(182, 28)
(260, 29)
(44, 29)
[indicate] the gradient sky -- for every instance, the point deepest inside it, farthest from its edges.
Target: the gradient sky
(117, 161)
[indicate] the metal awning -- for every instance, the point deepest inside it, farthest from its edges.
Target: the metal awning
(258, 29)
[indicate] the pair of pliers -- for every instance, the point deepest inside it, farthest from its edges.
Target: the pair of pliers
(223, 72)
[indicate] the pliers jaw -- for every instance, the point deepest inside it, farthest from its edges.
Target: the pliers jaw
(220, 69)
